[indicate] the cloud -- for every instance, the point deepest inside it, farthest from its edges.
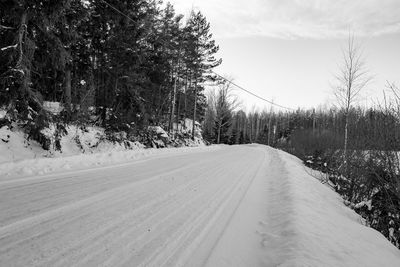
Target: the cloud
(298, 18)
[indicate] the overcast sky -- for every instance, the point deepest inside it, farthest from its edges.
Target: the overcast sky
(290, 50)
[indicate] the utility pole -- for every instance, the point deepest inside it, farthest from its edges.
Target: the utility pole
(314, 121)
(269, 125)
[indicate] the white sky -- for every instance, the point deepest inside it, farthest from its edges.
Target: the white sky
(290, 50)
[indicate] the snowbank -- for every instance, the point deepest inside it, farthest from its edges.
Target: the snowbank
(2, 113)
(186, 127)
(321, 231)
(80, 148)
(53, 107)
(42, 166)
(14, 145)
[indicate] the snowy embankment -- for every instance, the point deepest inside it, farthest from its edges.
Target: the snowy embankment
(42, 166)
(79, 149)
(321, 230)
(213, 206)
(291, 219)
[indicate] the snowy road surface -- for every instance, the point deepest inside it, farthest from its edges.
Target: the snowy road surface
(233, 206)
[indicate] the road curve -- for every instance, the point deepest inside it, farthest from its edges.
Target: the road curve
(165, 211)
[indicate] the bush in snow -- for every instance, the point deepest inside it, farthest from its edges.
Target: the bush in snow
(370, 185)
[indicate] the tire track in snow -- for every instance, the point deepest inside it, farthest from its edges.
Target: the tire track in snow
(139, 230)
(217, 222)
(51, 217)
(195, 221)
(164, 225)
(110, 227)
(277, 232)
(58, 192)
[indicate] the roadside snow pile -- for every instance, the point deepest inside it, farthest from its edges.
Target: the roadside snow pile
(76, 140)
(75, 148)
(158, 130)
(319, 230)
(181, 135)
(15, 146)
(158, 137)
(2, 113)
(186, 127)
(61, 141)
(53, 107)
(21, 157)
(42, 166)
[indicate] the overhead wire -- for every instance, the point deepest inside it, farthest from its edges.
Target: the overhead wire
(251, 93)
(119, 11)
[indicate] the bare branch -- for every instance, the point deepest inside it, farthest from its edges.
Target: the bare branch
(9, 47)
(2, 27)
(353, 75)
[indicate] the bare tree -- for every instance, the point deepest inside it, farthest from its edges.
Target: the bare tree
(209, 118)
(396, 93)
(221, 105)
(352, 78)
(225, 105)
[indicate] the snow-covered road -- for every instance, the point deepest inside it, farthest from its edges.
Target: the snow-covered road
(234, 206)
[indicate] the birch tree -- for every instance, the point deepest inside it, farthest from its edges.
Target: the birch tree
(352, 78)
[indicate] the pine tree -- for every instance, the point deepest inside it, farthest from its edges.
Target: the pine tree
(200, 56)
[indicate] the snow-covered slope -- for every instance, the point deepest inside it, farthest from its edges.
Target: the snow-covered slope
(318, 228)
(289, 218)
(15, 146)
(219, 206)
(80, 148)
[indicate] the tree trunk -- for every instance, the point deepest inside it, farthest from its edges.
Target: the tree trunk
(67, 89)
(178, 112)
(171, 116)
(21, 34)
(159, 105)
(219, 133)
(314, 121)
(346, 126)
(269, 129)
(185, 99)
(257, 128)
(20, 63)
(194, 109)
(251, 129)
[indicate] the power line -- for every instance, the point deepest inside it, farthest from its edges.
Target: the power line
(247, 91)
(119, 11)
(238, 86)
